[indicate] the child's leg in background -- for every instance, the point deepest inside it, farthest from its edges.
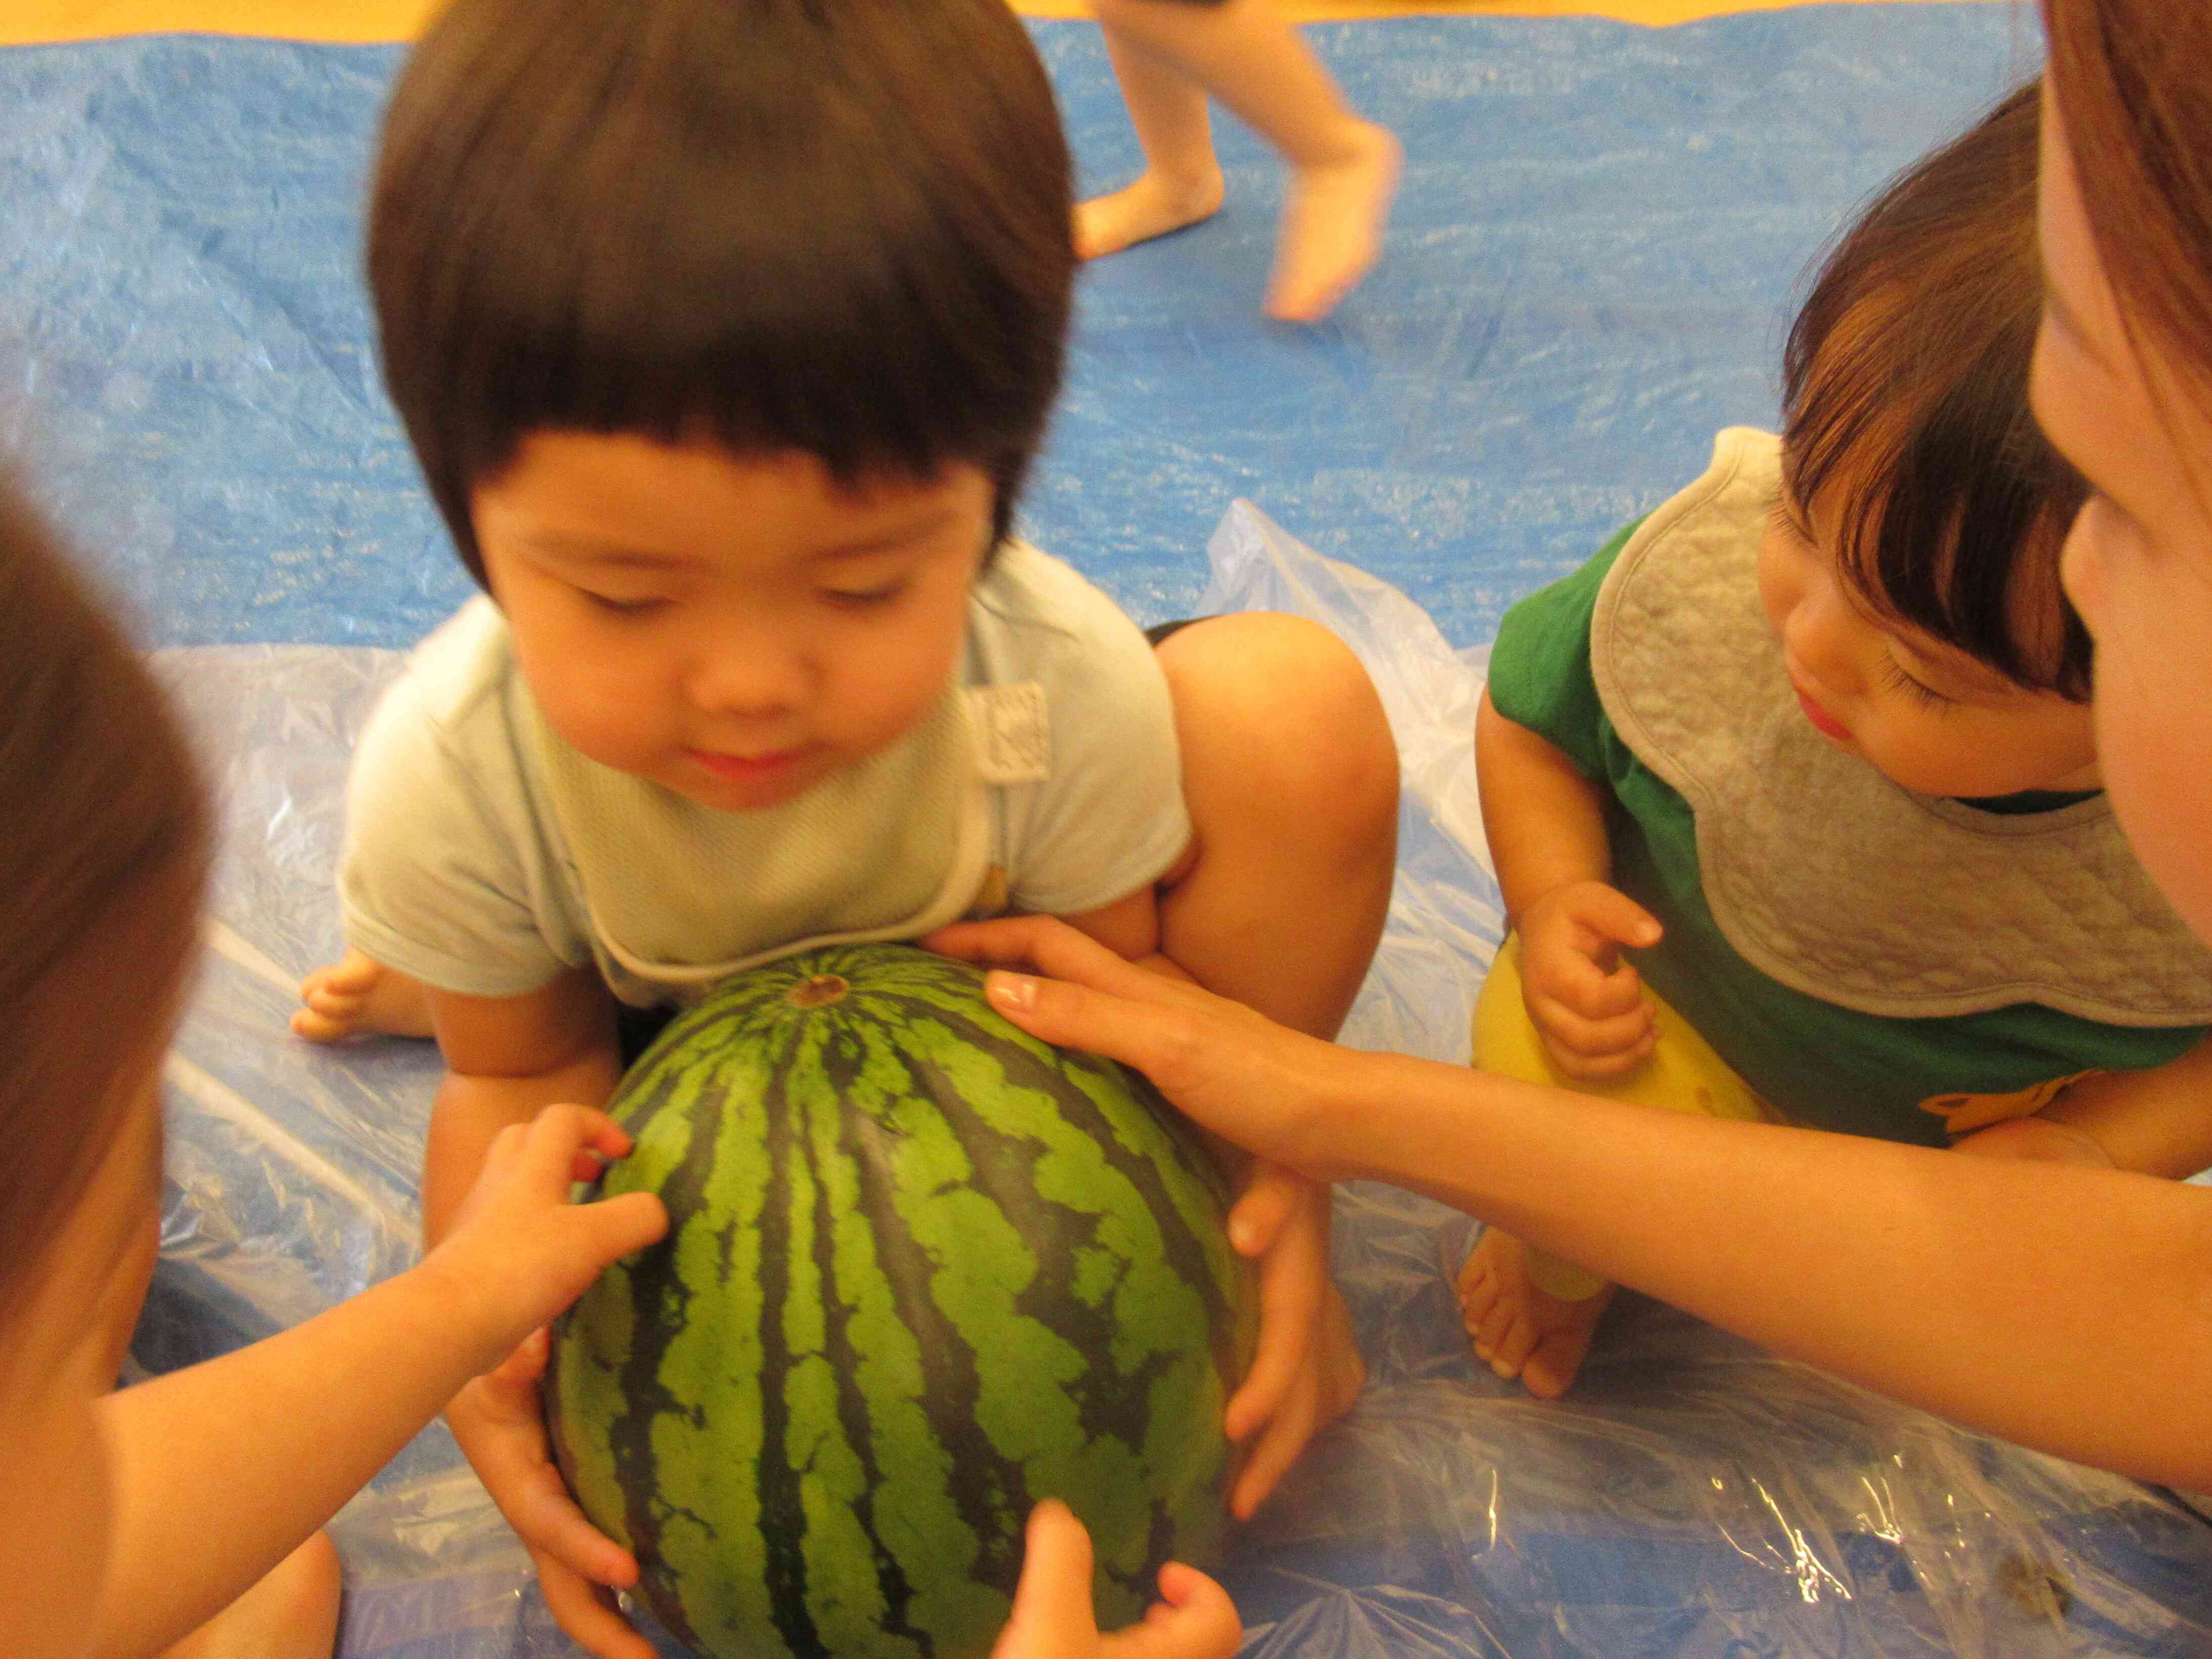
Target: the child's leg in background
(1169, 56)
(1292, 777)
(1527, 1313)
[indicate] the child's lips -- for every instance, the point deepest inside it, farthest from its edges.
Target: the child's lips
(751, 768)
(1823, 722)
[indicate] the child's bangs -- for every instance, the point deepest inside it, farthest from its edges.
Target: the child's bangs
(843, 231)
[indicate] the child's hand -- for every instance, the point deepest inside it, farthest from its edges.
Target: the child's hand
(517, 1253)
(499, 1422)
(1307, 1370)
(1053, 1617)
(1585, 1002)
(2036, 1139)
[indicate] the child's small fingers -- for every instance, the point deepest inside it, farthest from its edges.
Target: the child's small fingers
(1565, 1028)
(581, 1609)
(1272, 1454)
(1592, 989)
(1272, 1195)
(618, 1225)
(1052, 1598)
(1617, 919)
(1604, 1068)
(550, 1522)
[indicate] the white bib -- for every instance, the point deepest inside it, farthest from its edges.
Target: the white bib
(683, 895)
(1820, 872)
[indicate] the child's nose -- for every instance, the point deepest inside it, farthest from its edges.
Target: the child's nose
(759, 679)
(1820, 634)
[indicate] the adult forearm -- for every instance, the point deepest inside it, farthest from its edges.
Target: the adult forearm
(2067, 1308)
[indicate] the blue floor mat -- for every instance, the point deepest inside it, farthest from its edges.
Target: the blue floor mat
(1589, 272)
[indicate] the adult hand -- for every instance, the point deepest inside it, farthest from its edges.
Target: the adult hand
(1053, 1617)
(1585, 1002)
(1249, 1080)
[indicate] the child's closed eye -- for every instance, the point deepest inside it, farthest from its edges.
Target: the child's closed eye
(1905, 686)
(864, 598)
(615, 606)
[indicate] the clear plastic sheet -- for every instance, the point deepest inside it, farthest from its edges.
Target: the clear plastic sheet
(1694, 1496)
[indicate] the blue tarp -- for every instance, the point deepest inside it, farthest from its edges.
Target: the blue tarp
(1589, 271)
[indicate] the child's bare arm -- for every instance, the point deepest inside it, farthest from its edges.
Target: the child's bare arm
(2157, 1122)
(1545, 824)
(1544, 821)
(229, 1465)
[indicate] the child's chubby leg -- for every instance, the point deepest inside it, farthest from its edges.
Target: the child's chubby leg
(1528, 1313)
(359, 996)
(1292, 778)
(292, 1613)
(1168, 56)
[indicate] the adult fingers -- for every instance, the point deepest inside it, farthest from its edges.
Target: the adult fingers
(1159, 1041)
(1052, 948)
(547, 1520)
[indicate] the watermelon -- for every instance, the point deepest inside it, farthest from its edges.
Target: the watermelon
(922, 1271)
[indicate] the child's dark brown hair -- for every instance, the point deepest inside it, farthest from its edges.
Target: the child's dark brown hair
(103, 855)
(839, 227)
(1906, 426)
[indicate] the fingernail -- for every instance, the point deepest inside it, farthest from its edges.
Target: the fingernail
(1015, 992)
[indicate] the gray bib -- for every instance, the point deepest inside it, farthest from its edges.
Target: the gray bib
(684, 895)
(1820, 870)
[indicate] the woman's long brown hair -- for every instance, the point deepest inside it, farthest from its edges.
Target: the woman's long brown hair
(104, 843)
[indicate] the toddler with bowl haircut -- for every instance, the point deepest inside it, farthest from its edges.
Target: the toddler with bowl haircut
(1792, 789)
(725, 331)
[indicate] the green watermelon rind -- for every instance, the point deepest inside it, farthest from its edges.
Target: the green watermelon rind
(789, 1476)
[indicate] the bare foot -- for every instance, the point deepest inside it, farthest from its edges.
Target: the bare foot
(1332, 230)
(1518, 1329)
(292, 1613)
(1155, 205)
(356, 995)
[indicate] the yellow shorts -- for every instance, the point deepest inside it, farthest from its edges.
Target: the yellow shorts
(1682, 1074)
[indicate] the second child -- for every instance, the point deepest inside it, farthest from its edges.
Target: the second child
(1793, 790)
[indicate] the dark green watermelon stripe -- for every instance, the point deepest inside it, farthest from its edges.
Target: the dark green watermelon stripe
(948, 1379)
(656, 1293)
(1187, 1251)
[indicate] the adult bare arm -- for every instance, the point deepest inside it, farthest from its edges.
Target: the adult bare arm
(2065, 1308)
